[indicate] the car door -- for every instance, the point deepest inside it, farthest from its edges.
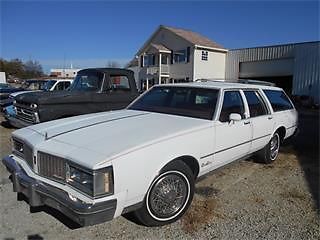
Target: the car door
(260, 118)
(233, 138)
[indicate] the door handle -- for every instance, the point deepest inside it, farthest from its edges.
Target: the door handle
(248, 122)
(270, 118)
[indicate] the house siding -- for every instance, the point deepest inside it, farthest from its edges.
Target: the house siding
(174, 43)
(213, 68)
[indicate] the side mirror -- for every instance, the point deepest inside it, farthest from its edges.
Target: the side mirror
(233, 117)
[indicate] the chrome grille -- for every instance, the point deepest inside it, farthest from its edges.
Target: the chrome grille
(52, 166)
(25, 114)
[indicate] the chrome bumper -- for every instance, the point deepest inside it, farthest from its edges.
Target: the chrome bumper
(40, 194)
(17, 123)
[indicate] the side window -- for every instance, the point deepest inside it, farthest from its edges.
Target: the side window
(119, 82)
(59, 86)
(232, 103)
(256, 105)
(278, 99)
(66, 85)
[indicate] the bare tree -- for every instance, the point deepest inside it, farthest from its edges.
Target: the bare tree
(113, 64)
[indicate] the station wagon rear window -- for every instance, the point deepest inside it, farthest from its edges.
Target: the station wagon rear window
(279, 100)
(182, 101)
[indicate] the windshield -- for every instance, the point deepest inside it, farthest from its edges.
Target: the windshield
(183, 101)
(87, 81)
(4, 86)
(48, 85)
(33, 85)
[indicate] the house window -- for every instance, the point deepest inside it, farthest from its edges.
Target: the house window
(149, 60)
(179, 56)
(164, 59)
(204, 56)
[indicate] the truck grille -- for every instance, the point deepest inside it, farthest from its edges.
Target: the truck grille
(52, 166)
(25, 114)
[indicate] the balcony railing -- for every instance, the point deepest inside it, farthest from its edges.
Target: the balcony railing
(165, 69)
(154, 70)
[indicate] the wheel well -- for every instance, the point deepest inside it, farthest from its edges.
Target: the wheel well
(282, 133)
(191, 162)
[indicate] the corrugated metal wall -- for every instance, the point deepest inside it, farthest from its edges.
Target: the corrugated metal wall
(306, 72)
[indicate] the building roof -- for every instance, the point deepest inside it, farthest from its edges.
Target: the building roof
(133, 63)
(193, 37)
(159, 47)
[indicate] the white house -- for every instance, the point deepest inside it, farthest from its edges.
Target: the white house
(173, 55)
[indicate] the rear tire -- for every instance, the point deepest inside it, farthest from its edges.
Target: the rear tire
(270, 152)
(168, 197)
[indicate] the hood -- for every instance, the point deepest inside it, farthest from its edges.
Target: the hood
(53, 97)
(112, 134)
(21, 92)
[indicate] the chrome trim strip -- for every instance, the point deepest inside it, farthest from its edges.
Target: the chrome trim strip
(208, 155)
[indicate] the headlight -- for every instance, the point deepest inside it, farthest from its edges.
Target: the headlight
(17, 146)
(95, 183)
(33, 105)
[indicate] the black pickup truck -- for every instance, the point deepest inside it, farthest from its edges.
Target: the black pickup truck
(93, 90)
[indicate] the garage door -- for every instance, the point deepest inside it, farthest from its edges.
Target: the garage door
(266, 68)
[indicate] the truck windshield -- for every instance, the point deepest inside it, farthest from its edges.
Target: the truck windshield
(87, 81)
(183, 101)
(33, 85)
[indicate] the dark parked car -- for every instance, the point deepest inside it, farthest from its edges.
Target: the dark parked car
(93, 90)
(28, 85)
(6, 89)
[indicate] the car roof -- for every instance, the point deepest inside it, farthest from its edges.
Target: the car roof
(60, 80)
(108, 70)
(222, 84)
(36, 81)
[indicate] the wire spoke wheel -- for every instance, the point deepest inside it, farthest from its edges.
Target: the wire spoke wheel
(169, 195)
(274, 147)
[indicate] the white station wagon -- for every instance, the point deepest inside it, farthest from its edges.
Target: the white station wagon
(145, 159)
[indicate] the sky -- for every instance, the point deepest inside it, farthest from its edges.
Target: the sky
(91, 33)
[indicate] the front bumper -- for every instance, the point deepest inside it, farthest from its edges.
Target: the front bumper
(6, 102)
(40, 194)
(17, 123)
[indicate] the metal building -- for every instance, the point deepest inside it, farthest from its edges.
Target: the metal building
(294, 67)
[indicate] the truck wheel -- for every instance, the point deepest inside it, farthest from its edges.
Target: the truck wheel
(270, 152)
(168, 197)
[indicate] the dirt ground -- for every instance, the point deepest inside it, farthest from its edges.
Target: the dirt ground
(245, 200)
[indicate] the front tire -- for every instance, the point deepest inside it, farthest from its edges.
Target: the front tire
(270, 152)
(168, 197)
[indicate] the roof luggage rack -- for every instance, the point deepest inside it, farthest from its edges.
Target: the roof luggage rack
(257, 82)
(243, 81)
